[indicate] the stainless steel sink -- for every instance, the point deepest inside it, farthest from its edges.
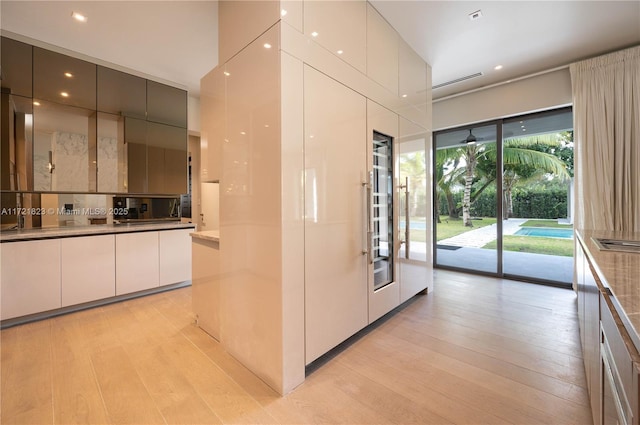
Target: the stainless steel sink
(617, 245)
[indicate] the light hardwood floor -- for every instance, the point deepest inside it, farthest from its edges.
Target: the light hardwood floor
(476, 351)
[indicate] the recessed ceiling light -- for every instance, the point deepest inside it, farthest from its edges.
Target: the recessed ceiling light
(340, 52)
(79, 17)
(497, 67)
(226, 73)
(68, 74)
(243, 133)
(36, 103)
(404, 95)
(64, 94)
(267, 45)
(283, 12)
(314, 34)
(266, 125)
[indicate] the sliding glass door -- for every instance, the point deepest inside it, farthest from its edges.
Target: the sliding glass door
(502, 194)
(465, 198)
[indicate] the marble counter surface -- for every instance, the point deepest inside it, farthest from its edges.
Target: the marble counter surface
(207, 235)
(98, 229)
(620, 272)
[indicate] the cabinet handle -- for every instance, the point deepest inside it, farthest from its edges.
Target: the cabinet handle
(368, 203)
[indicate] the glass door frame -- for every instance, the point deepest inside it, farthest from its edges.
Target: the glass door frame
(499, 123)
(499, 205)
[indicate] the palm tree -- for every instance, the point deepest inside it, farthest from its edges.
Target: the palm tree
(521, 162)
(470, 155)
(448, 174)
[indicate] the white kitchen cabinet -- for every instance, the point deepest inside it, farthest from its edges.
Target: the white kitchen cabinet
(414, 86)
(335, 234)
(340, 27)
(137, 262)
(382, 51)
(30, 277)
(174, 248)
(88, 267)
(206, 285)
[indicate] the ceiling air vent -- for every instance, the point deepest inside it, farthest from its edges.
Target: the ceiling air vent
(457, 80)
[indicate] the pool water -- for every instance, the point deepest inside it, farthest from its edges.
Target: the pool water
(546, 232)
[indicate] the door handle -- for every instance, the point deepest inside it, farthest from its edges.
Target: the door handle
(407, 227)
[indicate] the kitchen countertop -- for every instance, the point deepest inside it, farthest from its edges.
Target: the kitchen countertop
(207, 235)
(620, 272)
(91, 230)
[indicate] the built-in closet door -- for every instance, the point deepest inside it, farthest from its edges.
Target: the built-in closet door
(335, 122)
(383, 219)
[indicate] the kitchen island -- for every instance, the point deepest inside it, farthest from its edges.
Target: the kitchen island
(51, 271)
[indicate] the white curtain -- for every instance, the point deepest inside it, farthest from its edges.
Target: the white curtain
(606, 114)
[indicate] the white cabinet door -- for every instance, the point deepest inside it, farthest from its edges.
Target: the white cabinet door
(175, 256)
(335, 168)
(414, 257)
(137, 264)
(88, 269)
(206, 285)
(30, 277)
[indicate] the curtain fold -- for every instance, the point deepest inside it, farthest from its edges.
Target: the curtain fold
(606, 113)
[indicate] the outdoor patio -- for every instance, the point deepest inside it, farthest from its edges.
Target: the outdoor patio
(540, 266)
(465, 251)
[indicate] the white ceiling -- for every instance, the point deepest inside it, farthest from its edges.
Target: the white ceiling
(524, 37)
(176, 41)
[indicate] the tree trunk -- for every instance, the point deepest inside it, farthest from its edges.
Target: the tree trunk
(509, 181)
(437, 207)
(466, 199)
(451, 206)
(471, 160)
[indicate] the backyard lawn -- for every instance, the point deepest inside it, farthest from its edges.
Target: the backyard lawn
(546, 223)
(535, 245)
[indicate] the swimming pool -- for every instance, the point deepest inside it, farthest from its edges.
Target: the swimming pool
(546, 232)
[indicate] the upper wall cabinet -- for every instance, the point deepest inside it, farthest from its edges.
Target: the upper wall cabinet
(16, 62)
(166, 153)
(166, 104)
(240, 22)
(121, 93)
(340, 27)
(69, 125)
(62, 79)
(382, 51)
(413, 86)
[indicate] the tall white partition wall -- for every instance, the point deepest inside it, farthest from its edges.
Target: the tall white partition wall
(289, 119)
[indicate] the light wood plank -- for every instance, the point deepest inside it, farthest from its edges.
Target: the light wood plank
(477, 350)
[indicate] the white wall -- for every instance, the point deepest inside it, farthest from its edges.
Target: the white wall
(545, 91)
